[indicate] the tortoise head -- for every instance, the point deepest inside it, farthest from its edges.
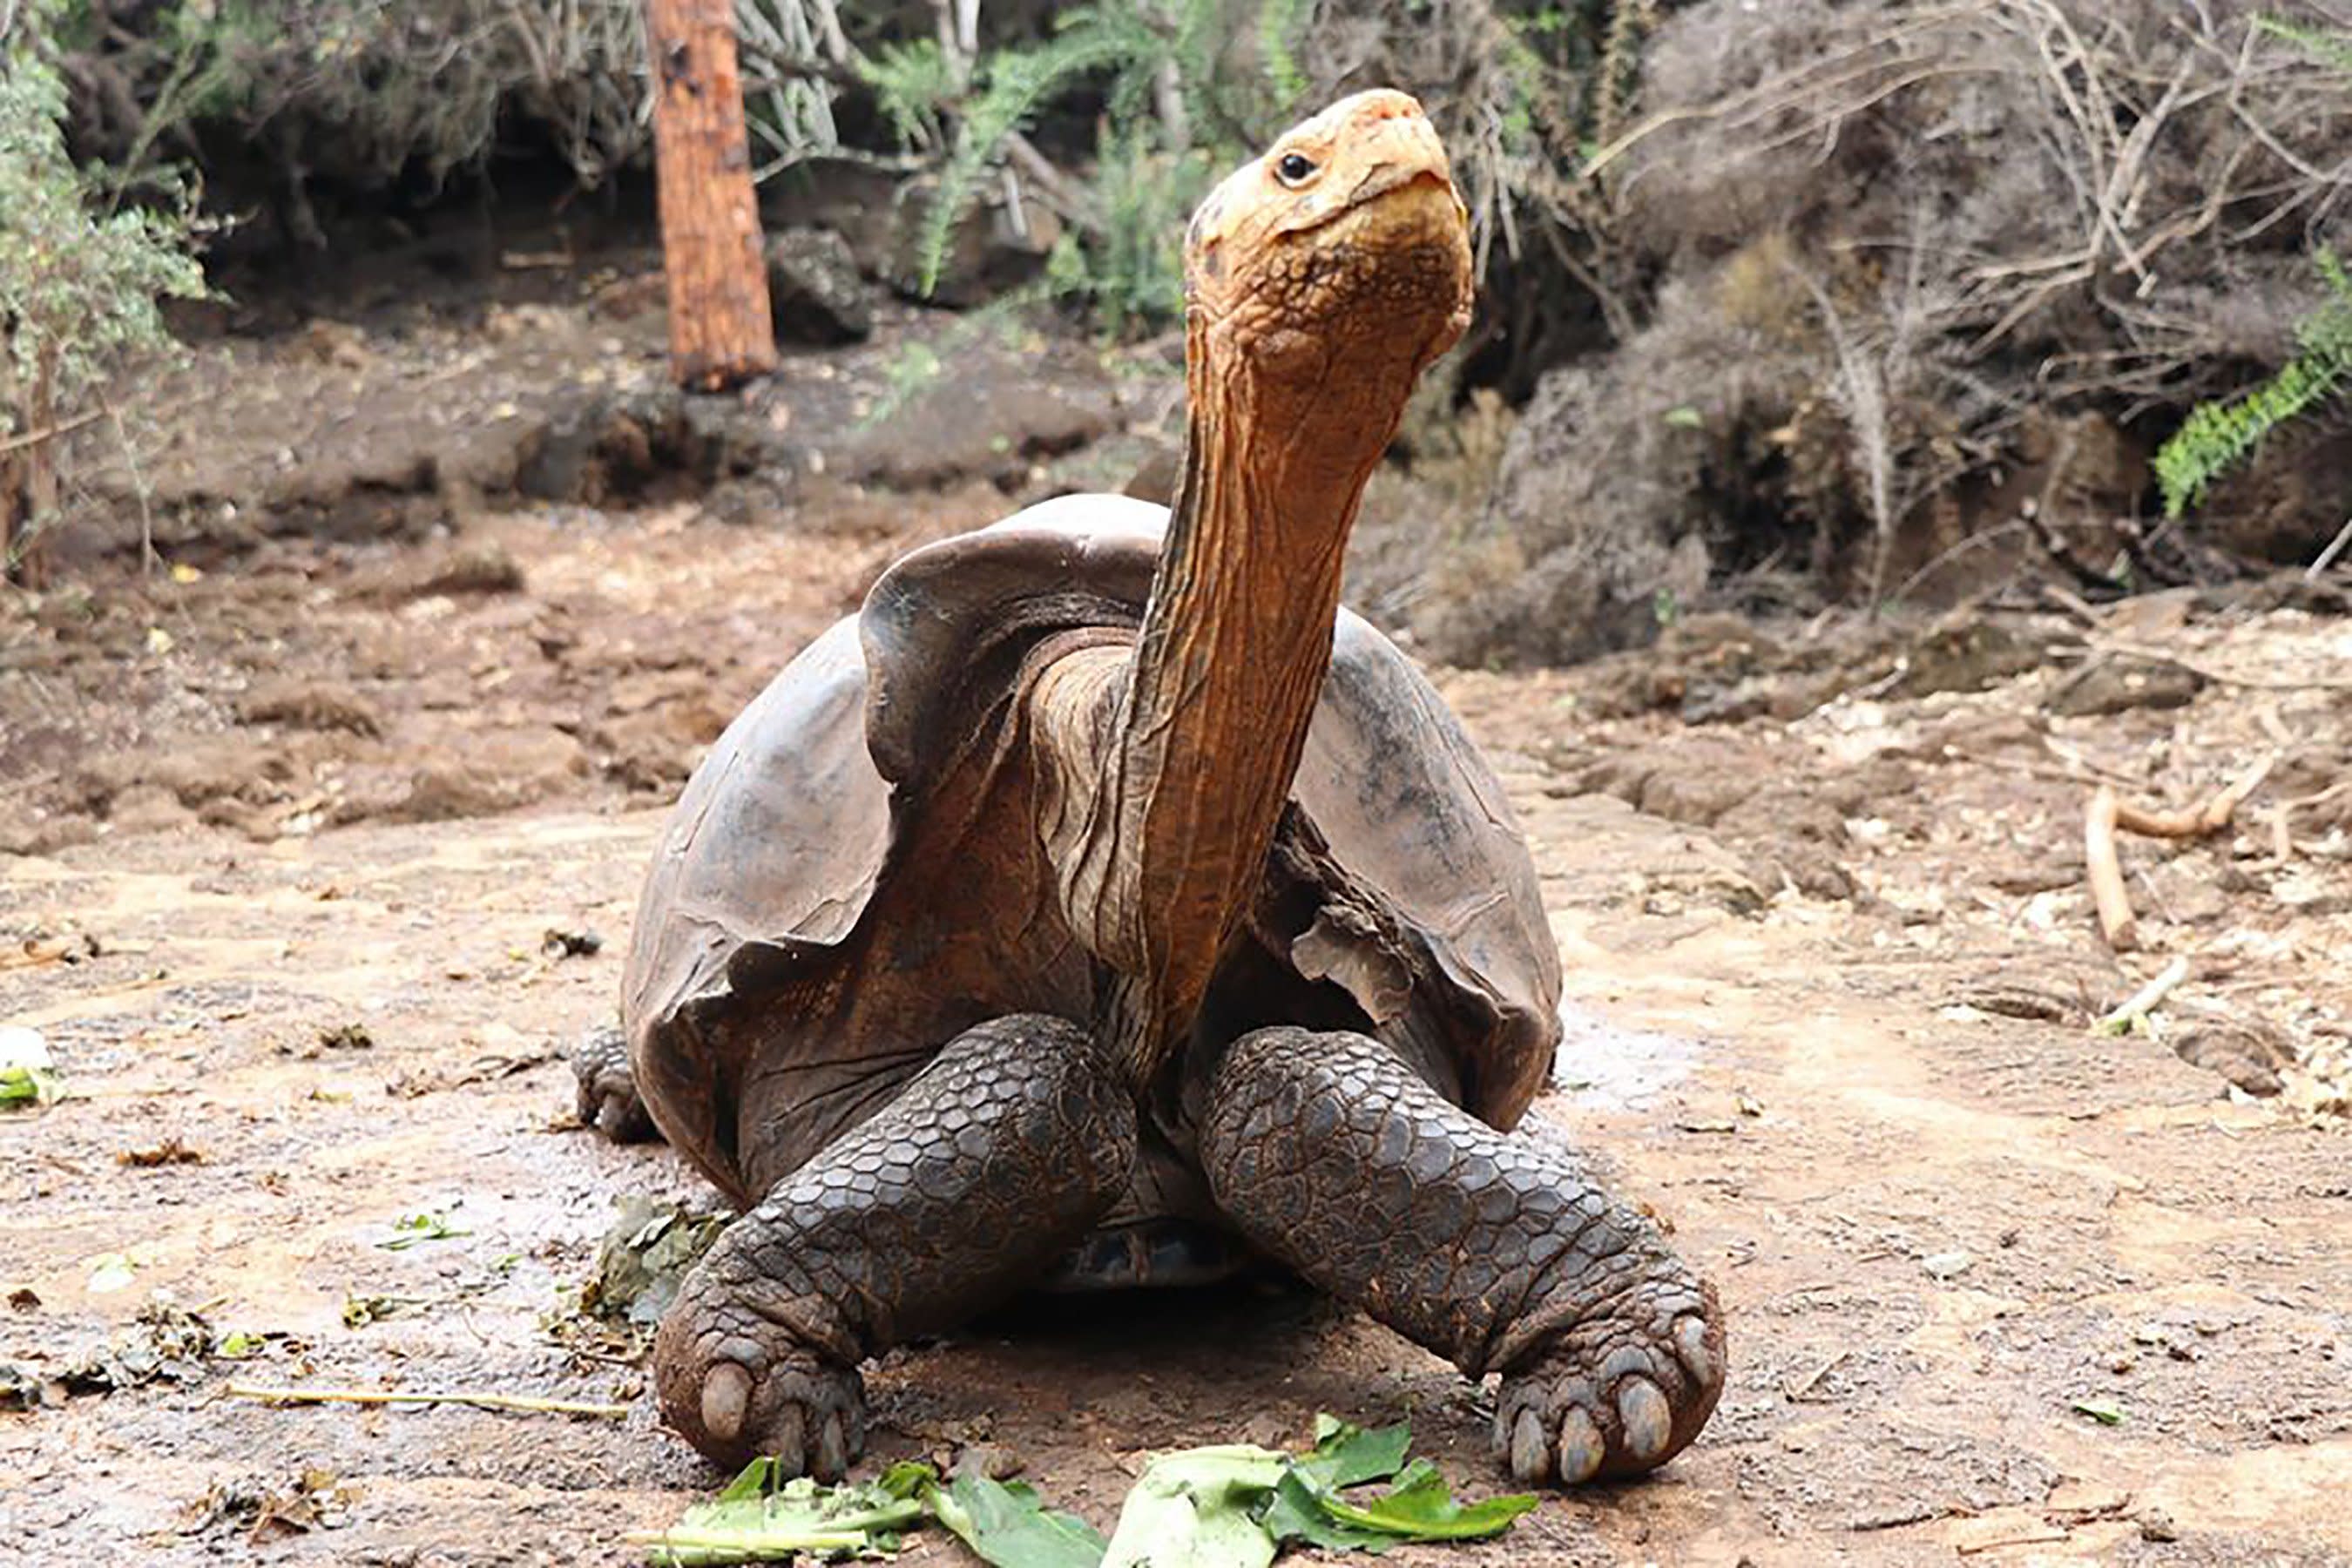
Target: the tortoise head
(1344, 247)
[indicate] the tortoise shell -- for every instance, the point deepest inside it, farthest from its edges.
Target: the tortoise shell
(852, 878)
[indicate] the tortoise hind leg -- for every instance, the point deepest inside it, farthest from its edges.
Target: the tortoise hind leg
(987, 1167)
(1493, 1251)
(608, 1090)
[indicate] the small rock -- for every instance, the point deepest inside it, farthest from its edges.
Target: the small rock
(560, 943)
(2154, 1524)
(815, 291)
(1947, 1264)
(481, 568)
(309, 705)
(2118, 685)
(2247, 1056)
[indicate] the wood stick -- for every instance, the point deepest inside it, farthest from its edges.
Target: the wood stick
(2106, 870)
(2217, 676)
(63, 427)
(2042, 1535)
(397, 1396)
(2198, 821)
(2144, 1000)
(2318, 568)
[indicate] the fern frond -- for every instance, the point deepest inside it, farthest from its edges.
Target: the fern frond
(911, 83)
(1019, 81)
(1280, 24)
(1619, 75)
(2218, 436)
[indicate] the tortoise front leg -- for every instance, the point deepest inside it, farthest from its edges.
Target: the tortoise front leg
(608, 1090)
(990, 1165)
(1493, 1251)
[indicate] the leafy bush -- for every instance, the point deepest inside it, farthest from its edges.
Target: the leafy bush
(79, 282)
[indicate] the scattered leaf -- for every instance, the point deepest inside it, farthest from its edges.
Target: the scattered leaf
(1007, 1526)
(761, 1519)
(1347, 1456)
(112, 1271)
(1198, 1509)
(413, 1229)
(560, 943)
(1420, 1506)
(358, 1312)
(170, 1152)
(347, 1037)
(27, 1075)
(2106, 1414)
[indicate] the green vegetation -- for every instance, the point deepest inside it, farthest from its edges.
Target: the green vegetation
(2218, 436)
(1227, 1506)
(81, 273)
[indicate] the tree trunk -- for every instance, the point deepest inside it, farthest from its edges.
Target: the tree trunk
(28, 480)
(720, 330)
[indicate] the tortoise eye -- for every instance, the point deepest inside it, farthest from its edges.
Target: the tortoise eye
(1295, 169)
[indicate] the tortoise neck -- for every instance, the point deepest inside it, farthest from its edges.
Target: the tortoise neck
(1227, 670)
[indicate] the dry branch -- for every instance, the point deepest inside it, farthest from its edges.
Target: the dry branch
(2198, 821)
(2144, 1000)
(394, 1396)
(2106, 872)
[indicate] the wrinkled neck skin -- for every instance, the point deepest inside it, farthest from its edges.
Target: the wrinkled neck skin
(1178, 760)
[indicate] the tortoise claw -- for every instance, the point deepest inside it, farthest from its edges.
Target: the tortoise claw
(608, 1098)
(1606, 1405)
(736, 1391)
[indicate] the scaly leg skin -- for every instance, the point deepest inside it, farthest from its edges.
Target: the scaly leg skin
(986, 1169)
(1493, 1251)
(608, 1091)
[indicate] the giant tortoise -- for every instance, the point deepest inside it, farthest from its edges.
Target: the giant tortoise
(1101, 890)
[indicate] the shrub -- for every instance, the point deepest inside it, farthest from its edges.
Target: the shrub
(79, 282)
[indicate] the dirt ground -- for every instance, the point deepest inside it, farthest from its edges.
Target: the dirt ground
(287, 832)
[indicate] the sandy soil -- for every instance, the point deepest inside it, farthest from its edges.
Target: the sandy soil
(2003, 1288)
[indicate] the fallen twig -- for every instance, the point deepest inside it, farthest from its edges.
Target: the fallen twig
(2144, 1000)
(2318, 568)
(63, 427)
(2195, 823)
(397, 1396)
(2218, 676)
(2045, 1535)
(1796, 1395)
(2105, 871)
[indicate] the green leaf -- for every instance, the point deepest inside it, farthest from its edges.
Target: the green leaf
(1297, 1514)
(2106, 1414)
(761, 1518)
(25, 1086)
(1198, 1510)
(1422, 1507)
(1347, 1456)
(28, 1077)
(1007, 1526)
(412, 1228)
(1683, 416)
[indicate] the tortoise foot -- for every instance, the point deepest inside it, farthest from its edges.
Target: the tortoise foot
(990, 1163)
(737, 1387)
(608, 1091)
(1499, 1252)
(1617, 1394)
